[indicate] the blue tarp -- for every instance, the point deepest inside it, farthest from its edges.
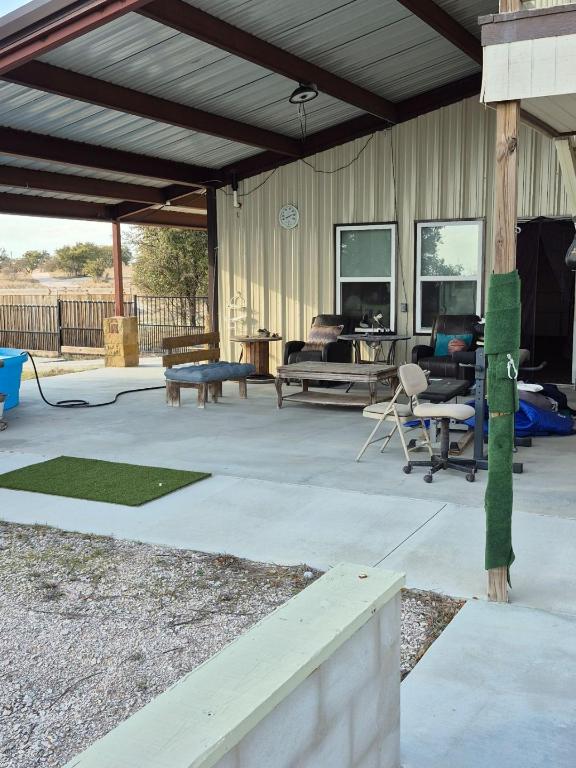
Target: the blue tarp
(530, 421)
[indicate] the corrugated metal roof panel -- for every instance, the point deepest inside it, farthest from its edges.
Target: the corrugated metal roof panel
(57, 195)
(376, 43)
(27, 109)
(379, 45)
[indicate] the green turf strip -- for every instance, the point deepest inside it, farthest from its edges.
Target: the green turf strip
(114, 483)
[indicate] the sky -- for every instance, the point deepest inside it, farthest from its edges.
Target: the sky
(28, 233)
(24, 233)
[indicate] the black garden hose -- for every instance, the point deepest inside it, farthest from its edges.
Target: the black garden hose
(82, 403)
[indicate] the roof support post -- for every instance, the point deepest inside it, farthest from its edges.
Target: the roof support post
(212, 231)
(498, 499)
(117, 264)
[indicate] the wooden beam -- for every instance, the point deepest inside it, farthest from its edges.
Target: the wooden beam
(506, 185)
(202, 26)
(437, 18)
(11, 176)
(362, 126)
(533, 24)
(117, 264)
(212, 222)
(505, 220)
(67, 26)
(72, 85)
(27, 144)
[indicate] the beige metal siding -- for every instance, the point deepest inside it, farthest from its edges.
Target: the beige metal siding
(443, 165)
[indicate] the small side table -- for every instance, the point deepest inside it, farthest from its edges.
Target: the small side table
(256, 350)
(375, 341)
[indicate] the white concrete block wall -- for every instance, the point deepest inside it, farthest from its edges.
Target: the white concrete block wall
(345, 714)
(316, 684)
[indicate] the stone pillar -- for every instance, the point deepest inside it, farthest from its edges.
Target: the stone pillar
(121, 342)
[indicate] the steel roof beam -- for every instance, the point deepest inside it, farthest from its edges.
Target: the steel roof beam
(28, 205)
(48, 207)
(26, 178)
(65, 27)
(72, 85)
(128, 210)
(76, 153)
(202, 26)
(437, 18)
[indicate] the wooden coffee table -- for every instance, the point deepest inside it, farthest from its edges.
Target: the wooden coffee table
(371, 374)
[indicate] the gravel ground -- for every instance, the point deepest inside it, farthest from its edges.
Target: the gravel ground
(92, 628)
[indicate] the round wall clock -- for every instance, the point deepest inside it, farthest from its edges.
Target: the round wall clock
(289, 216)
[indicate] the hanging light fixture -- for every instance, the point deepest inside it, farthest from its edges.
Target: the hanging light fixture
(571, 253)
(305, 92)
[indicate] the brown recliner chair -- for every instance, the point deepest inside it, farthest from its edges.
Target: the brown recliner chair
(332, 352)
(448, 366)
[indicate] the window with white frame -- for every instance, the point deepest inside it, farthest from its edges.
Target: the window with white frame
(448, 270)
(366, 273)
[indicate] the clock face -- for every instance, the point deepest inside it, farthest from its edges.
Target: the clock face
(289, 216)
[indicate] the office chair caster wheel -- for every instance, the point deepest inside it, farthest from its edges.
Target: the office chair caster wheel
(407, 469)
(470, 477)
(427, 478)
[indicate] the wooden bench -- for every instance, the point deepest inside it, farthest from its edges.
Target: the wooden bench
(206, 372)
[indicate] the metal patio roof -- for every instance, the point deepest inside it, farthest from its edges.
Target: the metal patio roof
(181, 94)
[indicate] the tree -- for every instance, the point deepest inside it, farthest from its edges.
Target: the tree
(171, 262)
(4, 258)
(72, 259)
(31, 260)
(75, 259)
(432, 262)
(96, 268)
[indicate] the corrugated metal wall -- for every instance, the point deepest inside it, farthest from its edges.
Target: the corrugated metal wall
(443, 164)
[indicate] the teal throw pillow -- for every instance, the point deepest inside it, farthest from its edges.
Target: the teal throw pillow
(443, 339)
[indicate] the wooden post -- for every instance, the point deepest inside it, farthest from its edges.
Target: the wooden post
(505, 220)
(212, 224)
(117, 263)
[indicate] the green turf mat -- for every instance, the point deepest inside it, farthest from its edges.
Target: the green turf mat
(114, 483)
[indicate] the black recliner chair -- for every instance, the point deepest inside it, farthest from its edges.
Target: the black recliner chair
(448, 366)
(332, 352)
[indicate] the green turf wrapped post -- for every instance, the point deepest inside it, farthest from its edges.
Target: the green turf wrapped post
(501, 345)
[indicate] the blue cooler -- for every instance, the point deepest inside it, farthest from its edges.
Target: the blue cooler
(11, 361)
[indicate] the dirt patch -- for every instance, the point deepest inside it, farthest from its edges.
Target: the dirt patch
(92, 628)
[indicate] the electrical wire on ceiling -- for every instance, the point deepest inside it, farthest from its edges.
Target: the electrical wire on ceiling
(342, 167)
(309, 165)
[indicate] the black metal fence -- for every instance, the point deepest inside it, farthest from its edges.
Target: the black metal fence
(160, 316)
(77, 323)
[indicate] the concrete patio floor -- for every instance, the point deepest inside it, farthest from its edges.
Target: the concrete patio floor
(286, 488)
(497, 690)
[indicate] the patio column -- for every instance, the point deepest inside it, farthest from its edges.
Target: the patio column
(212, 225)
(121, 348)
(117, 264)
(501, 346)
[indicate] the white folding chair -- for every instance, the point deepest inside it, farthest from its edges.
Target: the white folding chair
(399, 414)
